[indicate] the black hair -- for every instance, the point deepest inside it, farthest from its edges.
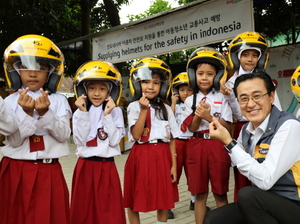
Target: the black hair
(177, 89)
(2, 84)
(250, 76)
(160, 108)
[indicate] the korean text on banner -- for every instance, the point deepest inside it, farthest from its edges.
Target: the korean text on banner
(203, 24)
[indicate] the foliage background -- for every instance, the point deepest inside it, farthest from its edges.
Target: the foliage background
(62, 20)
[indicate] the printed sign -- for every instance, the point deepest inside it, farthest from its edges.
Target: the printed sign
(203, 24)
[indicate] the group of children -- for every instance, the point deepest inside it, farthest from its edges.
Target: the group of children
(35, 120)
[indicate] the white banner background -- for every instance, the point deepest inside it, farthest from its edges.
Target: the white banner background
(206, 23)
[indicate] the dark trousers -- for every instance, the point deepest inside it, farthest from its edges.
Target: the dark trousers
(256, 206)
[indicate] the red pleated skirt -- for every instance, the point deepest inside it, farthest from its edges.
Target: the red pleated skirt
(96, 194)
(32, 193)
(147, 180)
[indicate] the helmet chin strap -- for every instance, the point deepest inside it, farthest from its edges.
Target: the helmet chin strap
(194, 102)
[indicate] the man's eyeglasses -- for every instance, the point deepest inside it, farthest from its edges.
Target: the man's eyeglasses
(256, 98)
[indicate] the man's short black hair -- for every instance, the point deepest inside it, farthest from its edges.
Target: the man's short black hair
(2, 84)
(261, 75)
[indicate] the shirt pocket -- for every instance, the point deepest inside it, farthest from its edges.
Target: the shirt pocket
(164, 131)
(217, 109)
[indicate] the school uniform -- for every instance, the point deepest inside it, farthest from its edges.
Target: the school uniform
(96, 189)
(32, 186)
(207, 159)
(8, 121)
(147, 182)
(181, 142)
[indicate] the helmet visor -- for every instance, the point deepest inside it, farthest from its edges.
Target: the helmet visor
(148, 73)
(33, 65)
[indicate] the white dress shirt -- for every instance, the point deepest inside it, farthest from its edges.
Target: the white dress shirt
(284, 151)
(54, 126)
(160, 129)
(8, 120)
(219, 107)
(113, 125)
(179, 109)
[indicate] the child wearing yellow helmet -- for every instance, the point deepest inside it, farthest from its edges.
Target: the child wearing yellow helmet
(150, 170)
(207, 160)
(180, 92)
(248, 52)
(32, 183)
(98, 127)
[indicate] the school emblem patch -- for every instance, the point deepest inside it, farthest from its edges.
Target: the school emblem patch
(101, 134)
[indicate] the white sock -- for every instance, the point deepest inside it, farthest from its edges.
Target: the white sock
(193, 199)
(158, 222)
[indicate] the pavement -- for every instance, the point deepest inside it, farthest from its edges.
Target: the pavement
(182, 214)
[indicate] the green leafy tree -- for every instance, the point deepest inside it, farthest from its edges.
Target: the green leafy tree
(278, 18)
(55, 19)
(156, 6)
(59, 20)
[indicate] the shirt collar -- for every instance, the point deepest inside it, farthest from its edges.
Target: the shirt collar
(262, 127)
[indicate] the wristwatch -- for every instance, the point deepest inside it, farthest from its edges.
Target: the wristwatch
(230, 145)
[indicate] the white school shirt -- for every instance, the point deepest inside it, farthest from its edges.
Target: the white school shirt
(160, 129)
(298, 114)
(236, 111)
(8, 120)
(219, 108)
(54, 126)
(179, 109)
(113, 125)
(283, 152)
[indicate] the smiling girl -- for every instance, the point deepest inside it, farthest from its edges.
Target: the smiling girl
(32, 185)
(150, 170)
(98, 127)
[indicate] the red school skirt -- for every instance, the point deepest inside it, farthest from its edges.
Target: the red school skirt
(147, 180)
(96, 193)
(32, 193)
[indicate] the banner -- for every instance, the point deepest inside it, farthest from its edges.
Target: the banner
(203, 24)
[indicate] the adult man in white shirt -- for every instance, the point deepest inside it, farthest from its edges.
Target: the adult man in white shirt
(267, 153)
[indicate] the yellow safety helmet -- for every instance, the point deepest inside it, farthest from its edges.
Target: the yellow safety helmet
(98, 71)
(211, 56)
(179, 79)
(30, 51)
(143, 70)
(244, 41)
(295, 83)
